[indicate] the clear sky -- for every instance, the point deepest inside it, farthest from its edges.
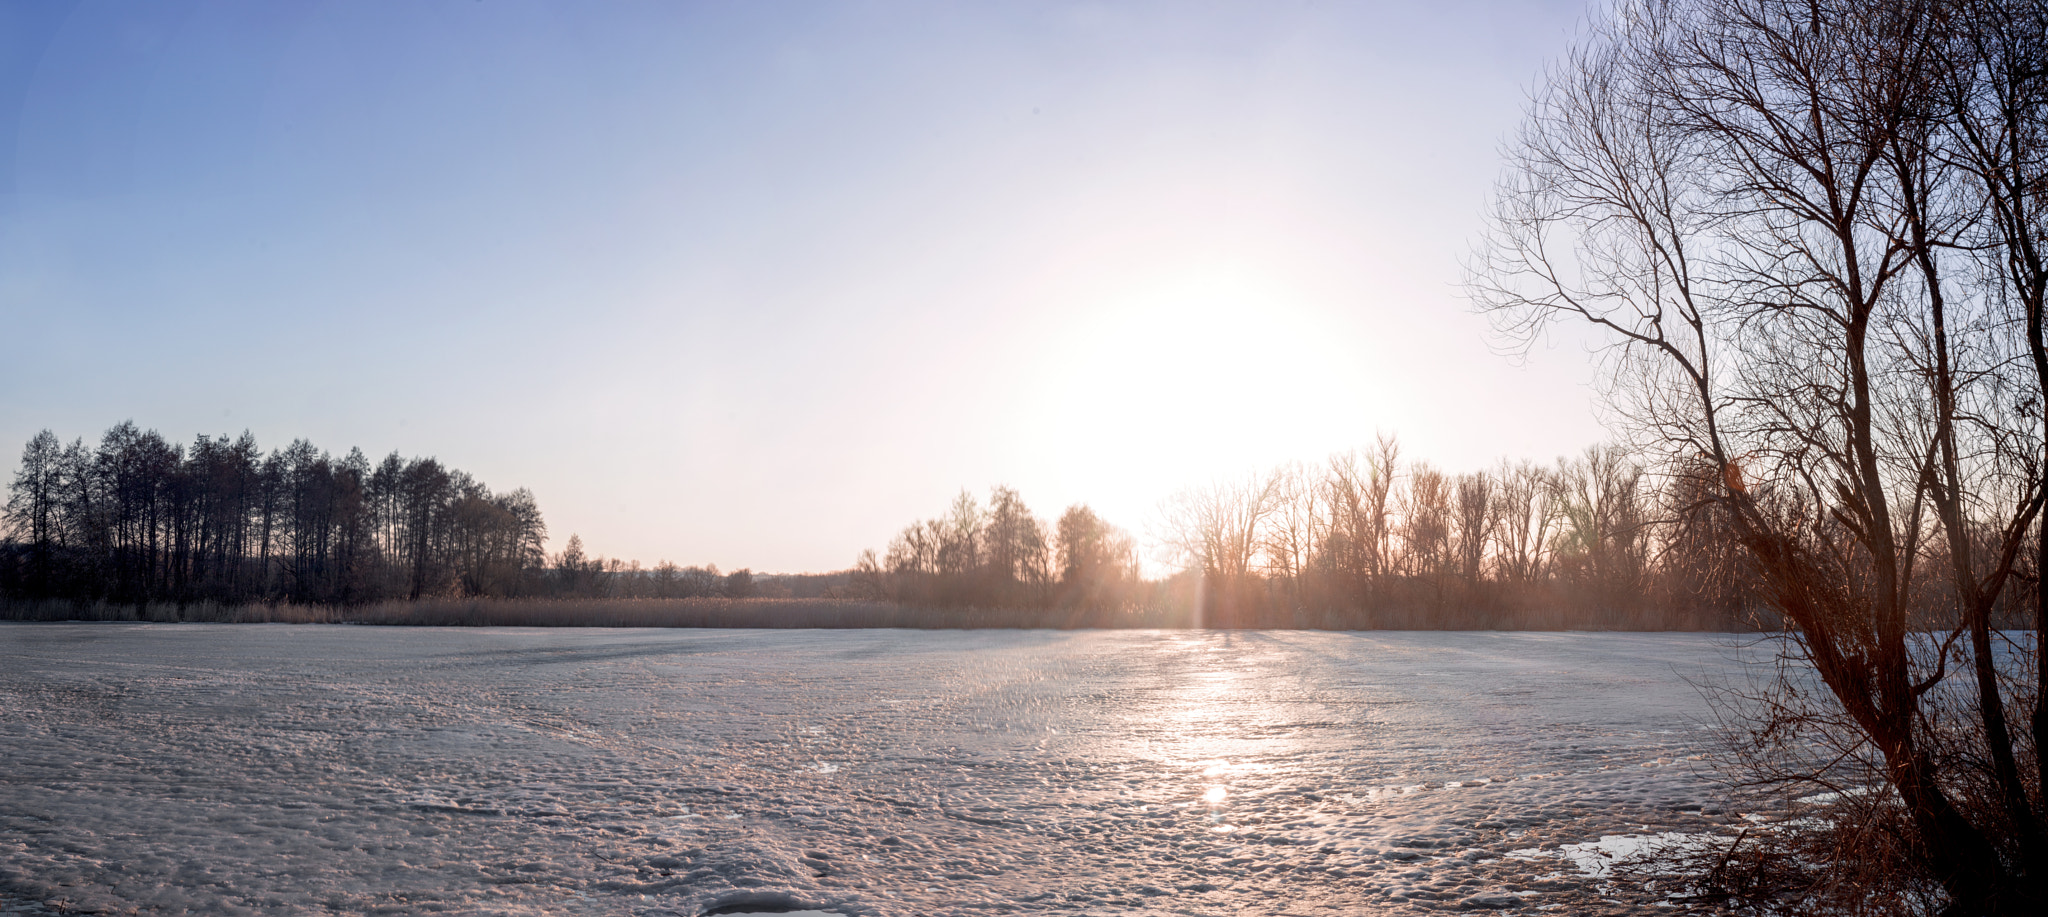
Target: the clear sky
(757, 284)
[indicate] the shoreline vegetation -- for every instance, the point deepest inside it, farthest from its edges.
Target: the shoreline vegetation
(748, 613)
(138, 527)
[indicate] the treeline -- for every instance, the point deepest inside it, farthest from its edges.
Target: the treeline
(1003, 556)
(1367, 539)
(1363, 540)
(138, 520)
(572, 574)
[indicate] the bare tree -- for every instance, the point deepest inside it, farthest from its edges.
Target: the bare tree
(960, 540)
(1214, 529)
(1527, 516)
(1015, 546)
(1478, 515)
(1600, 541)
(1349, 535)
(1357, 543)
(32, 507)
(1426, 523)
(1382, 469)
(1293, 533)
(1765, 205)
(1706, 577)
(1098, 563)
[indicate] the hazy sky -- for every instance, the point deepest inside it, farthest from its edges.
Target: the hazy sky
(756, 284)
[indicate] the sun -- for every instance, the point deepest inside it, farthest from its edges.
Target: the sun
(1195, 369)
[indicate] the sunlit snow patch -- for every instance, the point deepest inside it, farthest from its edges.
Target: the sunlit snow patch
(1822, 799)
(1596, 859)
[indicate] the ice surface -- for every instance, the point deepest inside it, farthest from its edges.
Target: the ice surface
(260, 769)
(726, 913)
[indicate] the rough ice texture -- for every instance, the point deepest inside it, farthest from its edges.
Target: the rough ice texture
(277, 769)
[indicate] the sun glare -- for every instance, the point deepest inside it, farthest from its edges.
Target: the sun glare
(1194, 372)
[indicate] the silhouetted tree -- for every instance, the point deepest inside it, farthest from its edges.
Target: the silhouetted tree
(1098, 563)
(1476, 512)
(1015, 548)
(1528, 512)
(1215, 529)
(32, 509)
(739, 584)
(1426, 532)
(1600, 542)
(1294, 531)
(138, 519)
(1812, 231)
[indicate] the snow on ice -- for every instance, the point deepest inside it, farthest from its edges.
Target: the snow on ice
(260, 769)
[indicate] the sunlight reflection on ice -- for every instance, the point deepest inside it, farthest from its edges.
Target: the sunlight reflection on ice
(1221, 727)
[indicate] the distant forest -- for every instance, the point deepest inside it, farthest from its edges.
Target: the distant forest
(138, 519)
(1363, 540)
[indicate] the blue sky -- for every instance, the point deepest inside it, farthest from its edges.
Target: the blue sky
(756, 284)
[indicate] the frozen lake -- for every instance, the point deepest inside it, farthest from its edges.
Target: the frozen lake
(280, 769)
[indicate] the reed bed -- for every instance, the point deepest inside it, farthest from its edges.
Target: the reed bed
(814, 613)
(490, 612)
